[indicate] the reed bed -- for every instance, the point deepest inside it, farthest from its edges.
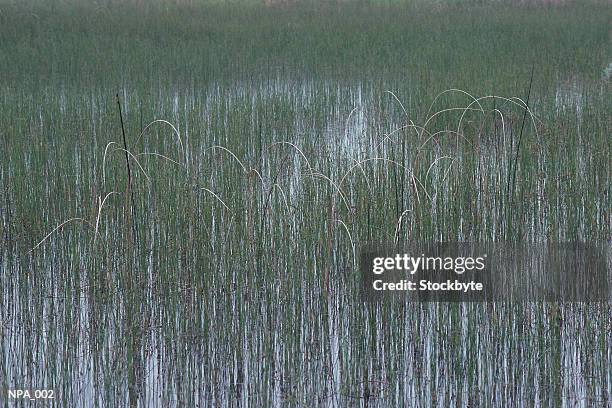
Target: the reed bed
(262, 156)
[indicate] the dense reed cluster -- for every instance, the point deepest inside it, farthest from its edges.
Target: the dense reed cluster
(266, 145)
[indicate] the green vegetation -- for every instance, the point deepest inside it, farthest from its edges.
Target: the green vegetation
(223, 272)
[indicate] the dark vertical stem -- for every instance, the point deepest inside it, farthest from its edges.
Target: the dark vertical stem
(518, 146)
(129, 192)
(134, 344)
(514, 163)
(125, 147)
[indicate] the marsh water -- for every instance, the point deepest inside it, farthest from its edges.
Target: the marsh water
(189, 298)
(186, 188)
